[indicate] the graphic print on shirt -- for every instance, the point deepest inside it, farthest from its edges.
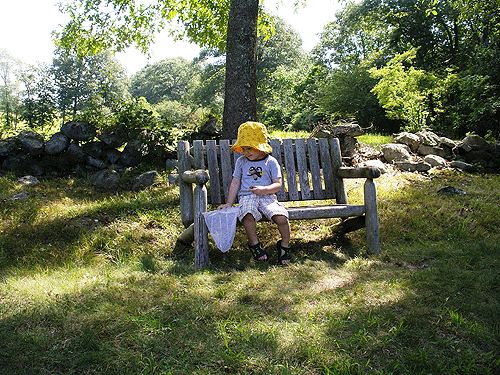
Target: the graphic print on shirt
(255, 172)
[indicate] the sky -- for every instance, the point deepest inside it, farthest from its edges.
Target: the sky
(26, 26)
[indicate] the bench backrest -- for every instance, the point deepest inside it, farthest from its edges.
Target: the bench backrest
(308, 167)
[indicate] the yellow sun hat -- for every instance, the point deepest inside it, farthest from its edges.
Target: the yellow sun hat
(252, 134)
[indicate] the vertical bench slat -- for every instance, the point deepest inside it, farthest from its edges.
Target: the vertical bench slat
(227, 167)
(276, 153)
(199, 157)
(213, 169)
(312, 148)
(336, 164)
(291, 173)
(300, 149)
(236, 155)
(200, 228)
(326, 164)
(185, 189)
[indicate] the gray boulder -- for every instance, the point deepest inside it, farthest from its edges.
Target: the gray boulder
(106, 178)
(211, 127)
(145, 180)
(28, 180)
(436, 161)
(31, 142)
(78, 131)
(412, 166)
(466, 167)
(432, 150)
(171, 164)
(20, 197)
(133, 153)
(75, 154)
(94, 149)
(96, 163)
(395, 152)
(56, 144)
(473, 142)
(16, 163)
(409, 139)
(9, 146)
(429, 138)
(111, 156)
(348, 146)
(111, 140)
(375, 163)
(448, 142)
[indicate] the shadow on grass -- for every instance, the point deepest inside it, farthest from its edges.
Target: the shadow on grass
(29, 243)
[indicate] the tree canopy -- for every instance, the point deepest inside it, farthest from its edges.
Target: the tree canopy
(390, 64)
(97, 25)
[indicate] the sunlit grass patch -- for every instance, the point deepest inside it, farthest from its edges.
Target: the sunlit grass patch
(282, 134)
(374, 140)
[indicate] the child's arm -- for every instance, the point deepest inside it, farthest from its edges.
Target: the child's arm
(269, 189)
(233, 193)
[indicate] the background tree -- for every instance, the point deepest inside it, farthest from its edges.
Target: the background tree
(405, 92)
(281, 65)
(354, 41)
(39, 105)
(240, 103)
(168, 79)
(209, 93)
(348, 95)
(358, 34)
(95, 79)
(8, 67)
(452, 81)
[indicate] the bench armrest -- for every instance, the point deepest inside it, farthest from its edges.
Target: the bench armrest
(365, 172)
(200, 177)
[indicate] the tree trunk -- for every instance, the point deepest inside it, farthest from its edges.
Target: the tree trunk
(240, 103)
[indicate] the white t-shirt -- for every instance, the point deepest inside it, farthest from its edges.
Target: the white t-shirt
(255, 173)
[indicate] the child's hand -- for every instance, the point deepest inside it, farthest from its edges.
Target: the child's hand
(223, 206)
(258, 190)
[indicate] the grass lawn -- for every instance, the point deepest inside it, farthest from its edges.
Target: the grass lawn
(90, 283)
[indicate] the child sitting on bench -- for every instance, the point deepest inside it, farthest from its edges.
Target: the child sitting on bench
(256, 179)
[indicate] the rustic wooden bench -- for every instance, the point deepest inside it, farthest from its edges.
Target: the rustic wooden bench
(311, 168)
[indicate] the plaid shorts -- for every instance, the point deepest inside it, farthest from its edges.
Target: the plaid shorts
(266, 205)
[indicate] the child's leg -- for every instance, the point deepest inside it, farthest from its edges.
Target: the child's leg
(284, 229)
(250, 228)
(283, 246)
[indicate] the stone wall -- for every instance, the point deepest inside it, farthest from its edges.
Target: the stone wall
(76, 148)
(416, 152)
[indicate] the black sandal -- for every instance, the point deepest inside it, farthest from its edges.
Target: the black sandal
(258, 252)
(283, 254)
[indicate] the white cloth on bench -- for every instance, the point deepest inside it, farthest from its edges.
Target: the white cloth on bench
(222, 226)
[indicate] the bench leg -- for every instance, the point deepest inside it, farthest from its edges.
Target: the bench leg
(372, 233)
(200, 228)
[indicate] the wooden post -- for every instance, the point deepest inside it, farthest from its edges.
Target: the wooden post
(341, 196)
(187, 237)
(185, 188)
(372, 233)
(200, 228)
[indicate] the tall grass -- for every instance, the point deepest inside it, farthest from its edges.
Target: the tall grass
(91, 283)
